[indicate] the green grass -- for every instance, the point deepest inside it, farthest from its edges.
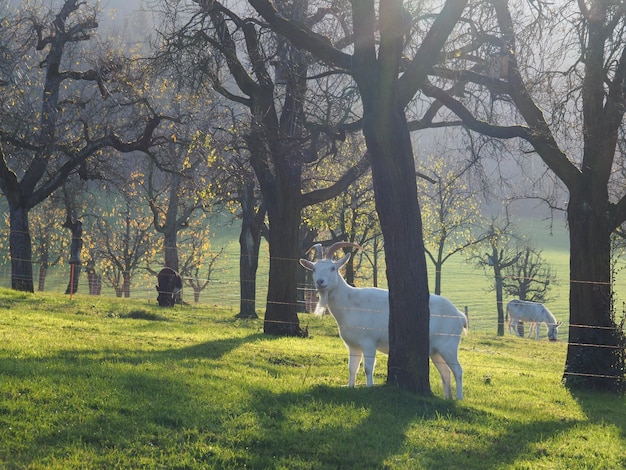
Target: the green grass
(104, 383)
(463, 283)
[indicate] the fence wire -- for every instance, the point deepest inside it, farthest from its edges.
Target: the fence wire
(223, 291)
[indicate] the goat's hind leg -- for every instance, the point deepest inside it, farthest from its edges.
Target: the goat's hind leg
(445, 364)
(444, 372)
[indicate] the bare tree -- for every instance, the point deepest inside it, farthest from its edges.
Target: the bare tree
(450, 211)
(46, 138)
(235, 187)
(174, 196)
(581, 82)
(123, 239)
(530, 278)
(199, 261)
(499, 257)
(48, 243)
(228, 49)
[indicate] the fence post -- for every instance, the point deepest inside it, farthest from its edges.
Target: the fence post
(467, 316)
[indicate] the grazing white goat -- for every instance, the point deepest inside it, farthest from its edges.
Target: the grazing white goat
(362, 315)
(526, 311)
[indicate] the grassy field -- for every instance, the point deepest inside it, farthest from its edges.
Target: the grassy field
(463, 283)
(105, 383)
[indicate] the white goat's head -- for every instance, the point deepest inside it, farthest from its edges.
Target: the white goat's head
(553, 330)
(325, 269)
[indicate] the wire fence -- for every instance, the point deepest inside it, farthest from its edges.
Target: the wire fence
(466, 286)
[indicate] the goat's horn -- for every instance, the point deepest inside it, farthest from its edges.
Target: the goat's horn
(336, 246)
(318, 250)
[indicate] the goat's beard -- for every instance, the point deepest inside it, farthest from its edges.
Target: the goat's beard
(322, 303)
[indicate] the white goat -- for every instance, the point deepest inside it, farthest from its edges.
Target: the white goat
(526, 311)
(362, 315)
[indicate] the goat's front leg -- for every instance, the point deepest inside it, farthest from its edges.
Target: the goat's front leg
(369, 362)
(353, 365)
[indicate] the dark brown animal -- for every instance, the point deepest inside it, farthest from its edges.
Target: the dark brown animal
(169, 286)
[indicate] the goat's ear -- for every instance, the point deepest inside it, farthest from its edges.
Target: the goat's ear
(341, 261)
(307, 264)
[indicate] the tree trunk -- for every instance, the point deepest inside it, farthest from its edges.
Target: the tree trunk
(72, 285)
(43, 271)
(249, 245)
(395, 188)
(595, 353)
(248, 265)
(438, 265)
(94, 282)
(393, 173)
(126, 284)
(281, 316)
(20, 249)
(170, 247)
(76, 246)
(497, 274)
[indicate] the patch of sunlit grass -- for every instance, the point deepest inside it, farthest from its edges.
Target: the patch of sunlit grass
(95, 383)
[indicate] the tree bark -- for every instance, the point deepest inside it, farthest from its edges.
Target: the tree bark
(126, 276)
(595, 353)
(76, 246)
(249, 244)
(20, 249)
(43, 271)
(248, 265)
(395, 189)
(170, 250)
(497, 275)
(393, 172)
(281, 316)
(94, 281)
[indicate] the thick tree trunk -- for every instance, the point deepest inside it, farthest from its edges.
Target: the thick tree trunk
(20, 249)
(170, 241)
(393, 172)
(281, 316)
(595, 353)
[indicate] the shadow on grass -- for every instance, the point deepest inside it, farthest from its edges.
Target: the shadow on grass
(387, 435)
(123, 403)
(109, 401)
(600, 408)
(142, 314)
